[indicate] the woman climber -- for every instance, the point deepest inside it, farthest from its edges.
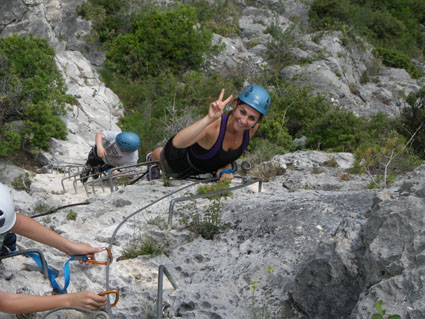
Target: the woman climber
(213, 143)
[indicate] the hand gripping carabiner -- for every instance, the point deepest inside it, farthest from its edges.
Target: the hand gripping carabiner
(112, 291)
(91, 260)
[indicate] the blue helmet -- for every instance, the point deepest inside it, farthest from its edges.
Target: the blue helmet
(256, 97)
(127, 141)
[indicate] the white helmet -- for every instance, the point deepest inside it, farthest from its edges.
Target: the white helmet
(7, 210)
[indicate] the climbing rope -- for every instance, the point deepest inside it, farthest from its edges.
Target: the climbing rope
(59, 208)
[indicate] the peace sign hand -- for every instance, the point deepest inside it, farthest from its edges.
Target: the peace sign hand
(216, 107)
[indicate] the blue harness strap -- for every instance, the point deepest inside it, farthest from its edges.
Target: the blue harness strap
(9, 246)
(227, 170)
(52, 274)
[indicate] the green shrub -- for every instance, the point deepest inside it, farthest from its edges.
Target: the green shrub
(293, 107)
(337, 130)
(106, 17)
(33, 91)
(42, 123)
(10, 140)
(41, 207)
(325, 13)
(391, 24)
(412, 118)
(219, 16)
(382, 313)
(220, 186)
(22, 182)
(396, 59)
(262, 150)
(383, 26)
(159, 40)
(383, 158)
(71, 215)
(279, 48)
(145, 247)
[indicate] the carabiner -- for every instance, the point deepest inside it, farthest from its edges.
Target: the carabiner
(94, 261)
(112, 291)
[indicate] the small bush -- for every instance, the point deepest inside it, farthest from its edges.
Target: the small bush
(145, 247)
(325, 13)
(22, 182)
(262, 150)
(279, 48)
(396, 59)
(412, 118)
(33, 92)
(382, 313)
(266, 171)
(330, 163)
(71, 215)
(338, 131)
(220, 186)
(220, 16)
(10, 140)
(41, 207)
(209, 224)
(159, 40)
(383, 159)
(106, 17)
(292, 110)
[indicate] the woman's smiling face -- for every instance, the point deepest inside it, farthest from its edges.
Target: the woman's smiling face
(245, 117)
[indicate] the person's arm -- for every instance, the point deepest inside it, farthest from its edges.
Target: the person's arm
(19, 303)
(101, 152)
(195, 132)
(28, 227)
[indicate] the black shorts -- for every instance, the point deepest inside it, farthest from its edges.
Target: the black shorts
(174, 161)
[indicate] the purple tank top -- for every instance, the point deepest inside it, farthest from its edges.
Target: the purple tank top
(219, 143)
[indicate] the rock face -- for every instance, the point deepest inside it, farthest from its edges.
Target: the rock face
(315, 243)
(319, 251)
(98, 109)
(54, 20)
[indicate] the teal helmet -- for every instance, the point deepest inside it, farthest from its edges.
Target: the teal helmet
(256, 97)
(127, 141)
